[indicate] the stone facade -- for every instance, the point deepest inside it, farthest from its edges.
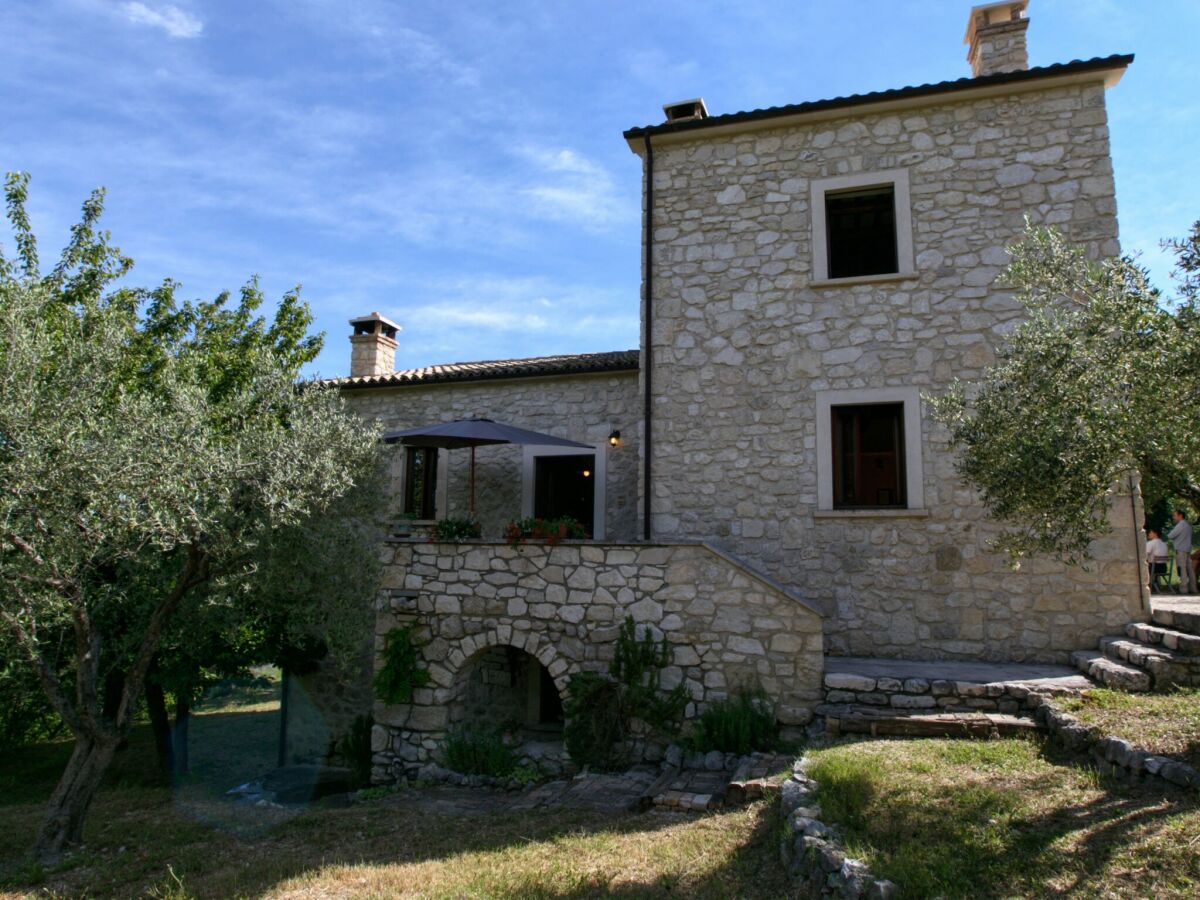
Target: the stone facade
(563, 606)
(584, 408)
(745, 340)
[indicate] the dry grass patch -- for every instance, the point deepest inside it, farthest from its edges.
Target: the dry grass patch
(1166, 723)
(999, 819)
(144, 838)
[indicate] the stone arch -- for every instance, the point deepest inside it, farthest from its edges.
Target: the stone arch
(560, 668)
(515, 683)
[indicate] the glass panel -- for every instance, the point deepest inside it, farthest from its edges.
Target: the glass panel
(868, 449)
(861, 226)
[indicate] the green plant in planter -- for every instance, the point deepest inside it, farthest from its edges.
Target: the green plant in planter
(549, 530)
(603, 713)
(450, 531)
(400, 673)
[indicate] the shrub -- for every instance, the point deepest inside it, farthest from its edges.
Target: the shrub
(549, 530)
(451, 530)
(355, 749)
(479, 750)
(740, 724)
(395, 680)
(601, 712)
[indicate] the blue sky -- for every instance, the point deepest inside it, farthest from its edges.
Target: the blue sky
(459, 165)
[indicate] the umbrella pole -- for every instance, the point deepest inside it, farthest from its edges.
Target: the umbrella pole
(472, 514)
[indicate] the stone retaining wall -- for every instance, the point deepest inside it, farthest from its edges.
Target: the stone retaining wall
(811, 849)
(934, 695)
(1112, 755)
(563, 605)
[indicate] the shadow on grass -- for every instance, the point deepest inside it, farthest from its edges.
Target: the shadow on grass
(140, 826)
(1010, 832)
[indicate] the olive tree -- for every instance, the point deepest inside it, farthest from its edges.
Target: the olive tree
(129, 485)
(1102, 377)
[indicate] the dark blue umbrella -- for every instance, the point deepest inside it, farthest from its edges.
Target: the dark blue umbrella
(474, 433)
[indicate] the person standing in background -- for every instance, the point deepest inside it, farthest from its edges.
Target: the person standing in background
(1181, 539)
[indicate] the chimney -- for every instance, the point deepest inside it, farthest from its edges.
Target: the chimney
(373, 346)
(686, 110)
(996, 38)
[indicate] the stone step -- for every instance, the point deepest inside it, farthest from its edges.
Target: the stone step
(1167, 668)
(1110, 672)
(1170, 638)
(847, 719)
(1179, 619)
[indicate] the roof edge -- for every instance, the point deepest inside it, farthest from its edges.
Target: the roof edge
(497, 370)
(1098, 65)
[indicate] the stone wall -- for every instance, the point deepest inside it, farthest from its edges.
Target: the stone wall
(564, 605)
(743, 339)
(584, 408)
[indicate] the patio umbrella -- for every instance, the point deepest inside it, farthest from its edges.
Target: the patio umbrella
(474, 433)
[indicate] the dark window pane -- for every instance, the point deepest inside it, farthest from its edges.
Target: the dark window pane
(565, 486)
(420, 482)
(861, 226)
(868, 455)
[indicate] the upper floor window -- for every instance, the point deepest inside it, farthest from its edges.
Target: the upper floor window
(862, 226)
(420, 482)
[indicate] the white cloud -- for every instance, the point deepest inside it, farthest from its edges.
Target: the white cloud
(177, 23)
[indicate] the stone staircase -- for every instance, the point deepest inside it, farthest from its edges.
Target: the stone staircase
(937, 698)
(1155, 655)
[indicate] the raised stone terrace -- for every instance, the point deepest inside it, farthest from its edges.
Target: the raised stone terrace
(501, 629)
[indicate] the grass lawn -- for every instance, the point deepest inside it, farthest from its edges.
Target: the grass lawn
(1161, 723)
(145, 839)
(1006, 818)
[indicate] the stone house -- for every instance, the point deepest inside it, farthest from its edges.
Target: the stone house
(763, 486)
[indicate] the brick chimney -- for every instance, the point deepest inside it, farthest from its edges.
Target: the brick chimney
(373, 346)
(996, 38)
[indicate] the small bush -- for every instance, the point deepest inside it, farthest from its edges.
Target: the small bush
(394, 682)
(601, 712)
(479, 750)
(449, 531)
(741, 724)
(355, 749)
(549, 530)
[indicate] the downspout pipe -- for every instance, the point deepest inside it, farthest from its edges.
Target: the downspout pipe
(647, 343)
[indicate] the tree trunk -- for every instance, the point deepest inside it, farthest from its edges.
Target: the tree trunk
(183, 718)
(72, 798)
(114, 687)
(160, 724)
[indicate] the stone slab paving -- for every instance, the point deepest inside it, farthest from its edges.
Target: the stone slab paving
(1043, 675)
(610, 794)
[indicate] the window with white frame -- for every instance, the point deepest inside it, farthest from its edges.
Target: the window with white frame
(869, 450)
(862, 226)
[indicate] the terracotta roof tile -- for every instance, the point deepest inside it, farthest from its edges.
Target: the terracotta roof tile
(493, 369)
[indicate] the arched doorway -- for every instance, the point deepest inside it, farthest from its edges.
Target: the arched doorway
(507, 690)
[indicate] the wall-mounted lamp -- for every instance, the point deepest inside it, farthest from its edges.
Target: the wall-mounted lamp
(614, 439)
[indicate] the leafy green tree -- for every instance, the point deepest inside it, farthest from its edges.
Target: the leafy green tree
(147, 473)
(1101, 378)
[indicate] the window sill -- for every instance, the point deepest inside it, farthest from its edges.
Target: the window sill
(862, 279)
(870, 514)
